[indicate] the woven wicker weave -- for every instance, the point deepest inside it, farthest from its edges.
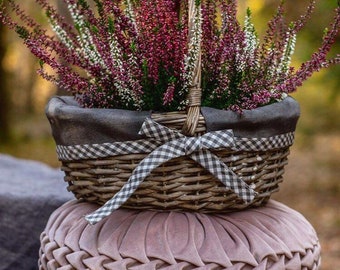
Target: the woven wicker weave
(272, 237)
(180, 184)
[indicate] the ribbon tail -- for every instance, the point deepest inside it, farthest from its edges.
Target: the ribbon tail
(144, 168)
(223, 173)
(115, 202)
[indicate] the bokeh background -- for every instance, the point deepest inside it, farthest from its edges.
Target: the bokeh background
(312, 179)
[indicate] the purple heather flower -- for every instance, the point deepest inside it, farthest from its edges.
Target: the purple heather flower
(136, 54)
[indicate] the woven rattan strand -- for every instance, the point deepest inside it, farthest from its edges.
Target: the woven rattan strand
(180, 184)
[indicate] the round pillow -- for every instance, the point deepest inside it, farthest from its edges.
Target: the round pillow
(270, 237)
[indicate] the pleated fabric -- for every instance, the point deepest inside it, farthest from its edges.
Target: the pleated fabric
(272, 237)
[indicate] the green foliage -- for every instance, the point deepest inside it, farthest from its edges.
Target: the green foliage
(22, 32)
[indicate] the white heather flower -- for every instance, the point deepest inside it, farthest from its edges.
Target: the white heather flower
(247, 54)
(89, 51)
(61, 34)
(251, 39)
(87, 48)
(124, 90)
(241, 58)
(116, 53)
(283, 96)
(288, 51)
(130, 12)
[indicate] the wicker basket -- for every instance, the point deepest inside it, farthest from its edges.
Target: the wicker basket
(181, 183)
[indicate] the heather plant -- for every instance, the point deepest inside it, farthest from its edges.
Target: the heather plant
(139, 54)
(242, 72)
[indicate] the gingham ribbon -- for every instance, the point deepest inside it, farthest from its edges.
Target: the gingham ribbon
(94, 151)
(176, 145)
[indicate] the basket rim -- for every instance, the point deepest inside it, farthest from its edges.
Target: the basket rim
(74, 125)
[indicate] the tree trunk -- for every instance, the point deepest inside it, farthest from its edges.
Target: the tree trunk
(4, 93)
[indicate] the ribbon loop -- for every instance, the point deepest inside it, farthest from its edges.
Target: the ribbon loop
(176, 145)
(152, 129)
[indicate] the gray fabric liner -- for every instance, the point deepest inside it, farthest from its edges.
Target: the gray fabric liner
(73, 125)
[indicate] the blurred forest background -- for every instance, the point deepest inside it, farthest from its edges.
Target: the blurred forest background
(311, 185)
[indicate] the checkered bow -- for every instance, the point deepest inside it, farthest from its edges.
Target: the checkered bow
(175, 145)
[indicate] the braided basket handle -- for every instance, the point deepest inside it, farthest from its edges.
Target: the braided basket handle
(195, 91)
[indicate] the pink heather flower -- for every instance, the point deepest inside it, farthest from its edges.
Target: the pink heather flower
(210, 40)
(134, 58)
(169, 94)
(318, 60)
(161, 37)
(162, 43)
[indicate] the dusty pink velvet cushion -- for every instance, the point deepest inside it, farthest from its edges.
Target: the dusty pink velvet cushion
(271, 237)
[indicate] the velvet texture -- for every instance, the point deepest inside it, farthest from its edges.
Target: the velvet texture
(73, 125)
(272, 237)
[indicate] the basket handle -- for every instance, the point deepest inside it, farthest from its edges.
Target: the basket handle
(195, 90)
